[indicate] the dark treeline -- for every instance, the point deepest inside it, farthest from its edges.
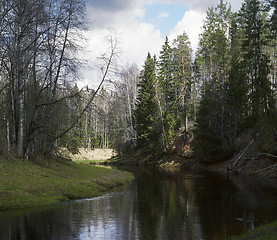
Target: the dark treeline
(227, 88)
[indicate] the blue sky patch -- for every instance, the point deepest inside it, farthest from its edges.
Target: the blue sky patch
(164, 16)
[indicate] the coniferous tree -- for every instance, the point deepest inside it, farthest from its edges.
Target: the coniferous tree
(175, 85)
(166, 75)
(273, 26)
(253, 57)
(167, 91)
(147, 111)
(212, 123)
(182, 76)
(255, 29)
(236, 87)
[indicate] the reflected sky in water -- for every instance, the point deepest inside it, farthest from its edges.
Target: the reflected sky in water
(157, 205)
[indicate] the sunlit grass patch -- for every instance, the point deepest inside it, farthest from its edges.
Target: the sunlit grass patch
(24, 184)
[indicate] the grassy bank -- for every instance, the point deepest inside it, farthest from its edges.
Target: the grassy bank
(26, 184)
(266, 232)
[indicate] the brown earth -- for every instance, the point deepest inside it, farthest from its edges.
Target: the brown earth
(248, 161)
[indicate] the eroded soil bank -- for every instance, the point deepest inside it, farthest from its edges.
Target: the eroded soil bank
(249, 160)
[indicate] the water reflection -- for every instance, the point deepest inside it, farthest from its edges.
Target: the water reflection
(157, 205)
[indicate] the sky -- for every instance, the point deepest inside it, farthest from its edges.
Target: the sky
(140, 26)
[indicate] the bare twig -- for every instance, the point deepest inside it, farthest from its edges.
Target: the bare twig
(58, 100)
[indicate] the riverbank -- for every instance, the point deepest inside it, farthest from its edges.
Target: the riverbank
(28, 184)
(249, 160)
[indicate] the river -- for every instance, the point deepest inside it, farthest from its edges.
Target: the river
(157, 205)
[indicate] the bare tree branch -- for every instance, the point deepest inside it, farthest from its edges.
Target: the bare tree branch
(113, 45)
(58, 100)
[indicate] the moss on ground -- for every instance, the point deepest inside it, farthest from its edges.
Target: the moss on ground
(27, 184)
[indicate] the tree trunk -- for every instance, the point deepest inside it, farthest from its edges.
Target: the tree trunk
(20, 124)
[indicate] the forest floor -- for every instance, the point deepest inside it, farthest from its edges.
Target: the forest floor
(28, 184)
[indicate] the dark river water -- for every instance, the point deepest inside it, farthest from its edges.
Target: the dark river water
(157, 205)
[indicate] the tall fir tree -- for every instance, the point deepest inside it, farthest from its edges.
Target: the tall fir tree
(166, 89)
(236, 86)
(255, 59)
(147, 110)
(165, 75)
(212, 131)
(214, 44)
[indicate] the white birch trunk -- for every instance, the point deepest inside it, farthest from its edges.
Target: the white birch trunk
(20, 125)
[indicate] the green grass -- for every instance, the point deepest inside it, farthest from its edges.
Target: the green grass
(26, 184)
(111, 161)
(266, 232)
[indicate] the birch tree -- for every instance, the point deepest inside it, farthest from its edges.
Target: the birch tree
(38, 44)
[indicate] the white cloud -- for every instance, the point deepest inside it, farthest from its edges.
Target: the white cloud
(191, 23)
(163, 15)
(192, 20)
(136, 38)
(203, 5)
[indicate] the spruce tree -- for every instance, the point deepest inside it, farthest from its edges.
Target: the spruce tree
(236, 87)
(212, 131)
(147, 111)
(214, 44)
(167, 91)
(165, 75)
(255, 28)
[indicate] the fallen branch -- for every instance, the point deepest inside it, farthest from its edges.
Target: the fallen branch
(232, 166)
(264, 169)
(267, 155)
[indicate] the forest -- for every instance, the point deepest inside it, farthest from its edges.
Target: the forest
(227, 88)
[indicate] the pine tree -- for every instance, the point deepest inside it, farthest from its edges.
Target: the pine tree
(182, 77)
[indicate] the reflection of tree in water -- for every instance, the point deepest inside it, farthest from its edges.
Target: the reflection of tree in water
(229, 206)
(166, 206)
